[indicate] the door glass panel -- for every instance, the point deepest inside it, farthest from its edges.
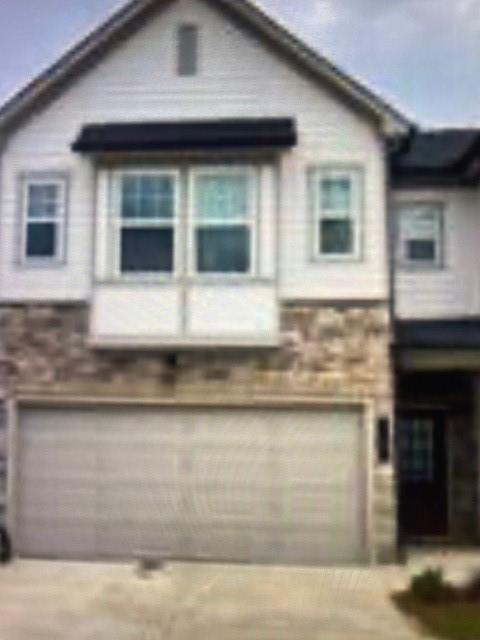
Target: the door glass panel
(416, 449)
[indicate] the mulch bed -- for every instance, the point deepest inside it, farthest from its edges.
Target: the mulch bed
(455, 616)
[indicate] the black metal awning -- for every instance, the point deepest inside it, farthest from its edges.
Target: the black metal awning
(438, 334)
(206, 135)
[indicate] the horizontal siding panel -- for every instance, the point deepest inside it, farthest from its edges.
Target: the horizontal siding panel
(238, 77)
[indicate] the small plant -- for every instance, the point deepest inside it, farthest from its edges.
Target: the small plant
(429, 586)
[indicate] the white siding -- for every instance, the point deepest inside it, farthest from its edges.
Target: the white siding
(238, 77)
(454, 290)
(157, 312)
(143, 315)
(240, 312)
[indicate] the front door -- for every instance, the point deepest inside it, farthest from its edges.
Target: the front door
(422, 474)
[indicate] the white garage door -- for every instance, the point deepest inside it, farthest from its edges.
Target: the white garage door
(227, 484)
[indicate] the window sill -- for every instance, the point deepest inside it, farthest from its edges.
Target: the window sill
(213, 280)
(414, 267)
(168, 343)
(41, 263)
(337, 259)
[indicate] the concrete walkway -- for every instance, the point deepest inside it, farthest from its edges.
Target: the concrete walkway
(61, 601)
(458, 565)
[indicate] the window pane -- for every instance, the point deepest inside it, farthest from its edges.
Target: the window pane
(336, 194)
(222, 197)
(422, 250)
(336, 236)
(148, 196)
(421, 221)
(223, 250)
(42, 200)
(147, 250)
(41, 240)
(416, 450)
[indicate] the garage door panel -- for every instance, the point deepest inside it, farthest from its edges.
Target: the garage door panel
(227, 484)
(118, 538)
(322, 542)
(210, 502)
(124, 502)
(71, 459)
(237, 466)
(222, 543)
(58, 500)
(143, 471)
(42, 537)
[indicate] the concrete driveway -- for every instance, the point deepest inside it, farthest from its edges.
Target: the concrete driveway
(62, 601)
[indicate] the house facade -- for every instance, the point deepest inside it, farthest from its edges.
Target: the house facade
(204, 344)
(435, 202)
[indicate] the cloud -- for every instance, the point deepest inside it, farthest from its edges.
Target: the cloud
(423, 55)
(325, 13)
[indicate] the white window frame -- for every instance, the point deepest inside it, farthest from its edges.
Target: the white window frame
(59, 219)
(118, 223)
(403, 260)
(251, 221)
(356, 177)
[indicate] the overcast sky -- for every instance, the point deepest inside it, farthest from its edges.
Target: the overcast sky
(424, 55)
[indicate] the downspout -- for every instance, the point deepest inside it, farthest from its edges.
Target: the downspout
(391, 146)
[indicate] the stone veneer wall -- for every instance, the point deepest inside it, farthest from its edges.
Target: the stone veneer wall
(336, 352)
(332, 352)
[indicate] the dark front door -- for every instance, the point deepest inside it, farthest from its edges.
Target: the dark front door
(422, 474)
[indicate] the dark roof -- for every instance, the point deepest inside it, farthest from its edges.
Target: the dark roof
(436, 158)
(265, 133)
(123, 23)
(434, 334)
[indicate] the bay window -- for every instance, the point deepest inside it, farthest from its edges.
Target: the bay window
(336, 200)
(186, 221)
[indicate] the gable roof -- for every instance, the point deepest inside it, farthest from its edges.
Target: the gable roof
(88, 51)
(439, 157)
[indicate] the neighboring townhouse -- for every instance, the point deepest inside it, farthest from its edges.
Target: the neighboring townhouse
(197, 346)
(436, 210)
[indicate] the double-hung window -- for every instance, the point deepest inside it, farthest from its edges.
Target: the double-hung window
(146, 219)
(336, 200)
(420, 234)
(44, 203)
(223, 214)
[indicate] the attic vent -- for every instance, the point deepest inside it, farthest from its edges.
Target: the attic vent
(187, 43)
